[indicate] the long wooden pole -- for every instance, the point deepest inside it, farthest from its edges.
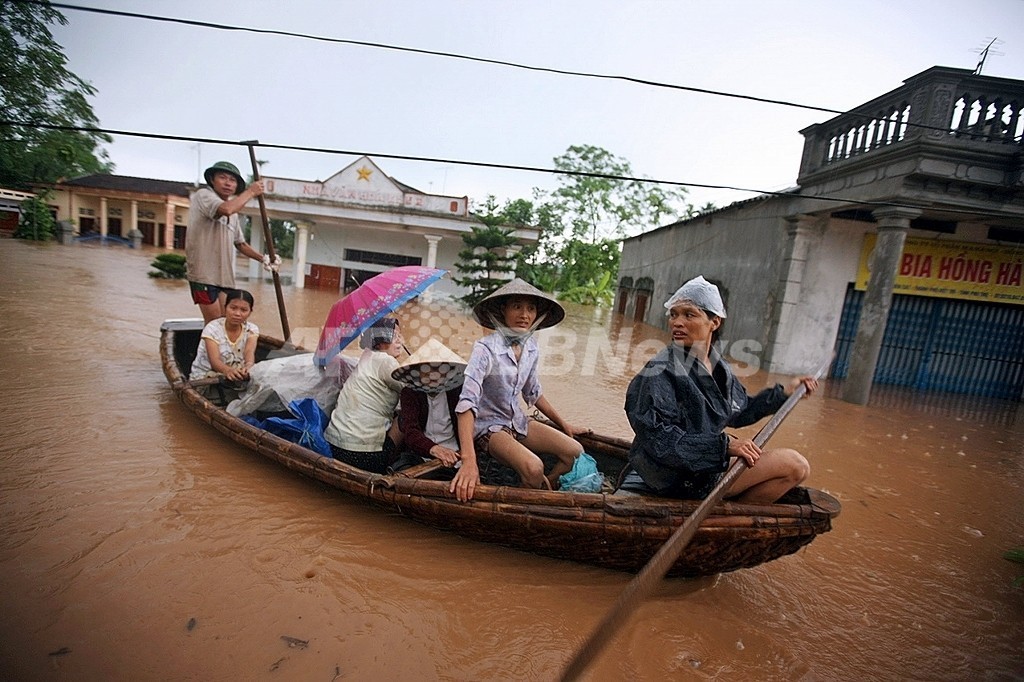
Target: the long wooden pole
(645, 582)
(269, 239)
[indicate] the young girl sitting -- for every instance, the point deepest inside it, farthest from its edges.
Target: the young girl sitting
(503, 367)
(228, 344)
(363, 431)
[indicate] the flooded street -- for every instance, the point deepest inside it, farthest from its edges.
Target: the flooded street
(139, 544)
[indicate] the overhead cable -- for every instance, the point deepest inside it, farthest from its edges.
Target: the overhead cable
(793, 192)
(417, 50)
(454, 55)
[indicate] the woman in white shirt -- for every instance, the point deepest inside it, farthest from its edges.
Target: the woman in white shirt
(228, 344)
(363, 431)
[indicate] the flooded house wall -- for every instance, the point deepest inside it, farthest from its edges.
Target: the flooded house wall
(329, 243)
(832, 259)
(740, 249)
(84, 208)
(745, 249)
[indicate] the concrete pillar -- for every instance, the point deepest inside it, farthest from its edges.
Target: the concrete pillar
(256, 242)
(302, 228)
(168, 238)
(103, 216)
(883, 264)
(785, 335)
(73, 216)
(432, 240)
(133, 217)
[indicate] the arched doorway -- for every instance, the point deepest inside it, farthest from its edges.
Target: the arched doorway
(642, 296)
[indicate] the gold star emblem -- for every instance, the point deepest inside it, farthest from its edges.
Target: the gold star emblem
(364, 173)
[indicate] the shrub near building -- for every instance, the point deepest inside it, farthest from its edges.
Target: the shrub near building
(168, 266)
(36, 220)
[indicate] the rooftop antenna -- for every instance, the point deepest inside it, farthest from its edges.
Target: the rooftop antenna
(985, 52)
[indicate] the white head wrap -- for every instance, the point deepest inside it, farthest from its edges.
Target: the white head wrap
(701, 293)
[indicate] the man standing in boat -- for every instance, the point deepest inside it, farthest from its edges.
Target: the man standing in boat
(214, 233)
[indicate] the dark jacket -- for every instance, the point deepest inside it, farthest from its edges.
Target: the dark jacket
(412, 418)
(678, 411)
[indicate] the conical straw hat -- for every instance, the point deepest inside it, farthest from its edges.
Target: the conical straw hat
(433, 368)
(488, 311)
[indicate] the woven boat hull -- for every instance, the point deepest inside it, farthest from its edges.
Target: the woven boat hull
(614, 532)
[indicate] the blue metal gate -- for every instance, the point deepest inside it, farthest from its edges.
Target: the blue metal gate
(937, 344)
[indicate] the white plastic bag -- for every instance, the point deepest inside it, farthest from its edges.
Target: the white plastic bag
(275, 382)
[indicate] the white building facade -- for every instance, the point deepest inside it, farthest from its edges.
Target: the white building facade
(360, 222)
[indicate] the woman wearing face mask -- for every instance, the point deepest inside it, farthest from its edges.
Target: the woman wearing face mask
(683, 399)
(500, 376)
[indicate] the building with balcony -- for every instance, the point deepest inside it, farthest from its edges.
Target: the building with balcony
(900, 248)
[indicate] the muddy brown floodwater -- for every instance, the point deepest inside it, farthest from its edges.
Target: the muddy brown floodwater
(138, 544)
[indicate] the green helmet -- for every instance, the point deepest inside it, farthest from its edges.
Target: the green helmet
(224, 167)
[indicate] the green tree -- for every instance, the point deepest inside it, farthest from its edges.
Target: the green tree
(588, 271)
(282, 231)
(36, 219)
(595, 200)
(486, 261)
(530, 263)
(599, 291)
(37, 88)
(693, 211)
(582, 222)
(584, 219)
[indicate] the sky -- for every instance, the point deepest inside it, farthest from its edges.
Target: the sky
(197, 82)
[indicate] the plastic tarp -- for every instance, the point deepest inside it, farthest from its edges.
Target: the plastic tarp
(275, 383)
(306, 429)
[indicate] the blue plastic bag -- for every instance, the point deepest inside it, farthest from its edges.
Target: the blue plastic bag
(306, 429)
(583, 477)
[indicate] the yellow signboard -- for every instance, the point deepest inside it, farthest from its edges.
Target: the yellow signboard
(977, 272)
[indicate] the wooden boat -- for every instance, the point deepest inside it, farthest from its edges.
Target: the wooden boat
(595, 528)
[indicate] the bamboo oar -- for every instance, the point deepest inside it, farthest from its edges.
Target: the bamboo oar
(645, 582)
(269, 239)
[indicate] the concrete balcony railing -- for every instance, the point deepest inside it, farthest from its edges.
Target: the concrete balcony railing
(939, 106)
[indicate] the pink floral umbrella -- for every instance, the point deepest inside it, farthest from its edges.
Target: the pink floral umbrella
(375, 298)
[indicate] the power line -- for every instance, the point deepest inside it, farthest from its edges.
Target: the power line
(378, 155)
(482, 60)
(462, 162)
(433, 53)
